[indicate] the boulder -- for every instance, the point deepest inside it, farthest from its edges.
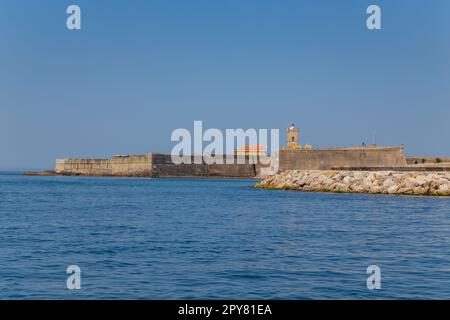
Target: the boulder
(388, 183)
(392, 189)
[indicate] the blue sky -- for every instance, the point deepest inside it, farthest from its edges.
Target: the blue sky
(139, 69)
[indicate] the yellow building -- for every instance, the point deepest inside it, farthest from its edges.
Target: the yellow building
(251, 151)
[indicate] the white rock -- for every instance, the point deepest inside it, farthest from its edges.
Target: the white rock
(388, 183)
(420, 183)
(347, 180)
(393, 189)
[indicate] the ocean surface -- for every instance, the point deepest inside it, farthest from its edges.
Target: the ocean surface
(215, 239)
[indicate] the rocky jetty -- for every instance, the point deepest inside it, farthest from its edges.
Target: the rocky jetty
(373, 182)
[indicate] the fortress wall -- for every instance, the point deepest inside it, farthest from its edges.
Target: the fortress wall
(136, 166)
(160, 165)
(232, 170)
(117, 166)
(153, 165)
(181, 170)
(164, 167)
(83, 166)
(326, 159)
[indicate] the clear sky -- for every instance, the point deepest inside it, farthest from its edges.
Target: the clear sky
(139, 69)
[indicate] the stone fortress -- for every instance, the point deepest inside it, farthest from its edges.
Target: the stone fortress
(373, 170)
(296, 157)
(292, 157)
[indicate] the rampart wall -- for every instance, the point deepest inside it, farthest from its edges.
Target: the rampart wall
(161, 165)
(156, 165)
(137, 166)
(326, 159)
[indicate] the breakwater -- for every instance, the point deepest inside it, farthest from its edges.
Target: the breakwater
(373, 182)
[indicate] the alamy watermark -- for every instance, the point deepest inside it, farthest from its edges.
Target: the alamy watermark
(374, 20)
(374, 279)
(74, 279)
(73, 21)
(232, 146)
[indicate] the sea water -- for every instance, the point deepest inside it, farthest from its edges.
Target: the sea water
(215, 239)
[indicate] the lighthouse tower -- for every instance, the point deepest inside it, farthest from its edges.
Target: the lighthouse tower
(292, 137)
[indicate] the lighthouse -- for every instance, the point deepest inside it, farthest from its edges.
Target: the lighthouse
(292, 137)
